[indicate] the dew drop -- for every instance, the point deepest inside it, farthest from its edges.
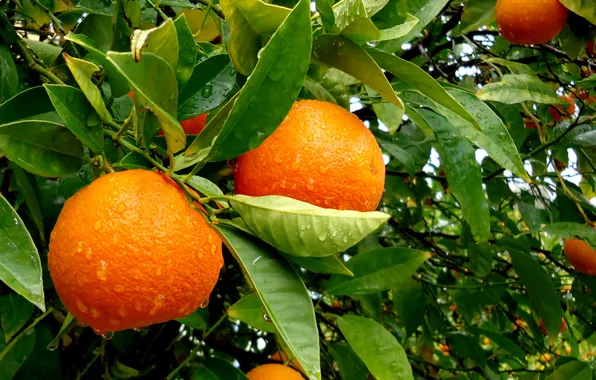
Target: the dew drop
(102, 270)
(204, 304)
(158, 271)
(277, 158)
(213, 249)
(137, 329)
(88, 254)
(108, 335)
(210, 238)
(323, 169)
(80, 247)
(159, 300)
(114, 321)
(82, 324)
(95, 313)
(267, 318)
(138, 305)
(293, 186)
(296, 163)
(119, 288)
(122, 311)
(121, 208)
(97, 225)
(53, 346)
(184, 309)
(311, 184)
(82, 307)
(282, 184)
(207, 90)
(98, 331)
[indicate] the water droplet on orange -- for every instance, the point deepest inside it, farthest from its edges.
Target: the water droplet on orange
(138, 305)
(114, 321)
(102, 271)
(282, 184)
(119, 288)
(122, 311)
(296, 163)
(311, 184)
(97, 225)
(95, 313)
(159, 300)
(158, 271)
(121, 208)
(277, 159)
(80, 247)
(82, 307)
(213, 249)
(88, 254)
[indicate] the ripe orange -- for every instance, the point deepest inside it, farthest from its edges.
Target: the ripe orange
(128, 251)
(530, 22)
(559, 113)
(581, 256)
(543, 328)
(582, 94)
(274, 372)
(320, 154)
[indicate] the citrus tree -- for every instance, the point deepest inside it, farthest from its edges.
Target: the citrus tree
(289, 189)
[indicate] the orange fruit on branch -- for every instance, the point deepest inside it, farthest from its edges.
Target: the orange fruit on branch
(530, 22)
(581, 256)
(274, 372)
(558, 112)
(129, 251)
(320, 154)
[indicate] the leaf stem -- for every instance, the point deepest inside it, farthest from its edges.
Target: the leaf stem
(55, 21)
(23, 332)
(158, 9)
(137, 150)
(216, 8)
(35, 65)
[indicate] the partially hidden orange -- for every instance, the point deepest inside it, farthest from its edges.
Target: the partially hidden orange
(581, 256)
(320, 154)
(530, 22)
(129, 251)
(558, 112)
(274, 372)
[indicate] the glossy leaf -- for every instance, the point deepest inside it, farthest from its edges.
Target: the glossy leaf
(283, 295)
(269, 92)
(187, 51)
(350, 365)
(9, 78)
(481, 258)
(384, 356)
(568, 230)
(14, 359)
(411, 304)
(326, 12)
(218, 369)
(249, 310)
(73, 107)
(515, 67)
(42, 148)
(574, 370)
(20, 267)
(301, 229)
(197, 319)
(421, 81)
(539, 286)
(27, 104)
(463, 174)
(26, 186)
(161, 41)
(401, 154)
(352, 21)
(118, 83)
(378, 270)
(476, 14)
(327, 265)
(15, 311)
(160, 99)
(518, 88)
(584, 8)
(100, 7)
(400, 30)
(345, 55)
(248, 20)
(208, 88)
(82, 72)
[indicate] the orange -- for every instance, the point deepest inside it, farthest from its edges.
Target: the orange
(320, 154)
(274, 372)
(581, 256)
(543, 328)
(591, 49)
(530, 22)
(558, 113)
(128, 251)
(582, 94)
(283, 358)
(192, 126)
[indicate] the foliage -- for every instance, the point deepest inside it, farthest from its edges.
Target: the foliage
(453, 277)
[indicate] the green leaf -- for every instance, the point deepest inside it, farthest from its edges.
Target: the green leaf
(350, 365)
(217, 369)
(26, 186)
(400, 30)
(283, 295)
(99, 7)
(515, 67)
(326, 265)
(374, 6)
(249, 310)
(161, 41)
(378, 270)
(123, 28)
(73, 107)
(187, 51)
(204, 186)
(402, 155)
(12, 361)
(67, 325)
(15, 311)
(345, 55)
(481, 259)
(301, 229)
(269, 92)
(463, 174)
(82, 72)
(476, 14)
(248, 20)
(46, 52)
(118, 83)
(503, 342)
(197, 319)
(20, 267)
(31, 102)
(421, 81)
(574, 370)
(209, 87)
(9, 78)
(584, 8)
(384, 356)
(539, 286)
(411, 305)
(160, 99)
(352, 21)
(326, 11)
(135, 161)
(518, 88)
(568, 230)
(42, 148)
(466, 346)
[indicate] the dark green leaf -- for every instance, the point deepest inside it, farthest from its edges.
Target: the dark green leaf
(16, 356)
(27, 104)
(20, 267)
(466, 346)
(197, 320)
(481, 258)
(326, 12)
(574, 370)
(8, 74)
(384, 357)
(401, 154)
(187, 53)
(249, 310)
(218, 369)
(327, 265)
(283, 294)
(476, 14)
(350, 365)
(584, 8)
(378, 270)
(26, 186)
(15, 311)
(410, 303)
